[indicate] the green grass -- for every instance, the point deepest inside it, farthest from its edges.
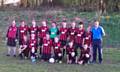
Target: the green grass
(111, 55)
(9, 64)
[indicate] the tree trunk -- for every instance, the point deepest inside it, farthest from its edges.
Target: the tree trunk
(2, 3)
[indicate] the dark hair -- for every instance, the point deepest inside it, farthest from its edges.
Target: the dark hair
(80, 23)
(64, 21)
(44, 21)
(96, 21)
(22, 20)
(54, 22)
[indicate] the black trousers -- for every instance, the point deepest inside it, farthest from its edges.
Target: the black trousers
(76, 48)
(24, 53)
(57, 57)
(97, 45)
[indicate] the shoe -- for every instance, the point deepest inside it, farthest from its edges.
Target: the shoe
(100, 62)
(80, 62)
(14, 55)
(93, 62)
(56, 61)
(8, 55)
(33, 59)
(42, 60)
(26, 58)
(60, 62)
(21, 57)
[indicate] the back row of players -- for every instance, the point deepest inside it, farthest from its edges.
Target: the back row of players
(52, 42)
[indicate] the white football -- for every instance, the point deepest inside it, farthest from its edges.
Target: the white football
(51, 60)
(59, 54)
(73, 54)
(87, 55)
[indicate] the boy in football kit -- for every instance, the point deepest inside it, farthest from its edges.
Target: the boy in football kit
(57, 50)
(84, 55)
(70, 50)
(42, 31)
(33, 47)
(46, 48)
(63, 36)
(53, 31)
(12, 38)
(33, 29)
(72, 31)
(88, 40)
(24, 50)
(22, 31)
(79, 38)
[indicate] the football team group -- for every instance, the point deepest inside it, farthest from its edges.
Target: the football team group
(64, 43)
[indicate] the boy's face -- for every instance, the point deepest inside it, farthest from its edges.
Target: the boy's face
(64, 24)
(53, 25)
(73, 24)
(56, 40)
(23, 23)
(13, 23)
(44, 23)
(81, 26)
(33, 23)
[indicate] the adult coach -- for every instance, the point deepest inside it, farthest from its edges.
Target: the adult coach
(97, 34)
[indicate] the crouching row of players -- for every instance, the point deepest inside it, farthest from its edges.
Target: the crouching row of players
(53, 52)
(49, 43)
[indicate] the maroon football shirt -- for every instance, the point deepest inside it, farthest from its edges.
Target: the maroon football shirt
(63, 34)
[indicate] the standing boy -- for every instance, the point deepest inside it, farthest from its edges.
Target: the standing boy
(63, 36)
(54, 31)
(72, 31)
(22, 31)
(42, 33)
(12, 38)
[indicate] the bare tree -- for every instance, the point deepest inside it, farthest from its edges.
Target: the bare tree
(2, 3)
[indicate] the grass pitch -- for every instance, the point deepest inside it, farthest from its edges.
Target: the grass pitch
(111, 63)
(111, 56)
